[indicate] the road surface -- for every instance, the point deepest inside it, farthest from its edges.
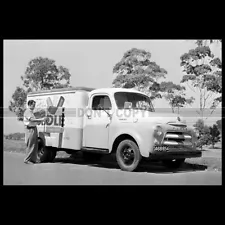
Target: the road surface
(76, 172)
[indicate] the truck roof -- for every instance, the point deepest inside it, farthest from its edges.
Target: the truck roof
(90, 90)
(113, 90)
(62, 90)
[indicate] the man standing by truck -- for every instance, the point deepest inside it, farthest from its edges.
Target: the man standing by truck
(31, 135)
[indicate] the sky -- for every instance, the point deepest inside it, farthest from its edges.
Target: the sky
(90, 63)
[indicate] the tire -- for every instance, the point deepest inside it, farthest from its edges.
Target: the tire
(173, 164)
(45, 154)
(128, 155)
(53, 154)
(89, 156)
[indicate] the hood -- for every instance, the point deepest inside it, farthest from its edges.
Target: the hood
(146, 116)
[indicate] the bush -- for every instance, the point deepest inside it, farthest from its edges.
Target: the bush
(206, 135)
(15, 136)
(214, 135)
(203, 133)
(203, 140)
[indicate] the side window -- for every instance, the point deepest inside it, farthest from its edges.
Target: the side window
(101, 101)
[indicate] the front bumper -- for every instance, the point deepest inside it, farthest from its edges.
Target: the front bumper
(175, 153)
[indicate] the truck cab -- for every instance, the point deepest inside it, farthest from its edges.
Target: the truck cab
(117, 121)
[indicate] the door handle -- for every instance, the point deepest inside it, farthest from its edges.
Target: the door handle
(89, 116)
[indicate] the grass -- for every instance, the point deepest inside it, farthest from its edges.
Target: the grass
(20, 146)
(14, 146)
(211, 158)
(210, 162)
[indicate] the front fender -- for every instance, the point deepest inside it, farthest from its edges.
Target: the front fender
(142, 134)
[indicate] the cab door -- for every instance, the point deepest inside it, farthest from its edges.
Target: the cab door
(97, 121)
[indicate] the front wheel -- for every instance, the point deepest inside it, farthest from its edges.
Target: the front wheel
(173, 164)
(128, 155)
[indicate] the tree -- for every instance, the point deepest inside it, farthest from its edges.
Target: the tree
(41, 74)
(214, 135)
(203, 73)
(135, 70)
(201, 42)
(17, 105)
(174, 94)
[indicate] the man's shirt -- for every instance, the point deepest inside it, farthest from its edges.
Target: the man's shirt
(28, 114)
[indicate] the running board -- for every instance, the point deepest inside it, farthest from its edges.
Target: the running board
(97, 150)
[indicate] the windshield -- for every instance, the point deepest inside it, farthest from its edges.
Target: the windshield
(138, 101)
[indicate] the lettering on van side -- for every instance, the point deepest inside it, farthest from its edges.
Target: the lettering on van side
(52, 118)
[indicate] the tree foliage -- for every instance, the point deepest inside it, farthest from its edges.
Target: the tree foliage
(17, 104)
(174, 94)
(136, 70)
(203, 73)
(41, 74)
(202, 42)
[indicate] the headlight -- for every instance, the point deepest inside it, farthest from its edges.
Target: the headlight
(158, 131)
(158, 134)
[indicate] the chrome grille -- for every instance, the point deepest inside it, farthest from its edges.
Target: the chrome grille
(177, 138)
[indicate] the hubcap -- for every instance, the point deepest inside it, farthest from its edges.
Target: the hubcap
(127, 155)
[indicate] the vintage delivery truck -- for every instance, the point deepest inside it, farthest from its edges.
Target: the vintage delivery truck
(114, 121)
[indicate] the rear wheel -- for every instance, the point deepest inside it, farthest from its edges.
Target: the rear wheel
(53, 154)
(45, 154)
(128, 155)
(174, 163)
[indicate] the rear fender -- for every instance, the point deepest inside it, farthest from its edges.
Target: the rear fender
(41, 136)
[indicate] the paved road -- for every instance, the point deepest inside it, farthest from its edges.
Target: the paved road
(76, 172)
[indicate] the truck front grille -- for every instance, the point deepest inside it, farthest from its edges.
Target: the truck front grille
(177, 138)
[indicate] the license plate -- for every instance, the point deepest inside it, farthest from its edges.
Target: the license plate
(161, 148)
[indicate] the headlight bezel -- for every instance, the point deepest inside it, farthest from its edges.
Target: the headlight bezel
(158, 130)
(158, 134)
